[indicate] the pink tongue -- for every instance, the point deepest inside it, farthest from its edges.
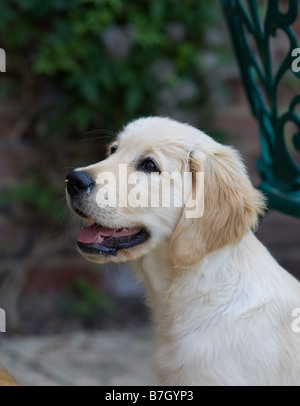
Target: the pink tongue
(94, 233)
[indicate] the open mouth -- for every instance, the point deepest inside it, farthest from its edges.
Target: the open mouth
(97, 239)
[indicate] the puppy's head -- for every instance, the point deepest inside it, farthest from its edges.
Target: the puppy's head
(132, 204)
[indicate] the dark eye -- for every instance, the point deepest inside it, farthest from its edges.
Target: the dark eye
(113, 149)
(148, 166)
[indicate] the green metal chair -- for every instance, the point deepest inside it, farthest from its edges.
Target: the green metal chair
(280, 172)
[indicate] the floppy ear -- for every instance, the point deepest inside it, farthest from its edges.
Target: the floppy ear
(231, 207)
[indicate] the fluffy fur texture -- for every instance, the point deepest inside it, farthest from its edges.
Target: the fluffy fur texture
(221, 304)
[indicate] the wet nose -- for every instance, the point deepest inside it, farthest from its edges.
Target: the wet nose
(79, 182)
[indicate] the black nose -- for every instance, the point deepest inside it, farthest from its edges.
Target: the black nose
(79, 182)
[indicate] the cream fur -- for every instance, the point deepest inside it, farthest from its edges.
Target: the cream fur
(220, 302)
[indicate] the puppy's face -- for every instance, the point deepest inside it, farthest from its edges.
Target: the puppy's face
(121, 198)
(130, 205)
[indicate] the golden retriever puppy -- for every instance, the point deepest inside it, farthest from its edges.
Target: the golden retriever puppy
(224, 309)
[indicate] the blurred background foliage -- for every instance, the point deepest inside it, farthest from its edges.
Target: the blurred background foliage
(81, 65)
(77, 71)
(99, 63)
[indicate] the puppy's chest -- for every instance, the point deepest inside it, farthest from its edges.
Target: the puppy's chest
(190, 334)
(186, 359)
(192, 338)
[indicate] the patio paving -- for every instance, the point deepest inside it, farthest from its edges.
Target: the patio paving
(118, 358)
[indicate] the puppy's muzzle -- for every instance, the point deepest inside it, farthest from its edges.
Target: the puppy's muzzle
(98, 239)
(79, 183)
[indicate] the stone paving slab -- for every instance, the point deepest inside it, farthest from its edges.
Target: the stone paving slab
(117, 358)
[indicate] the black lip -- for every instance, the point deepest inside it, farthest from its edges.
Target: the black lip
(79, 212)
(112, 245)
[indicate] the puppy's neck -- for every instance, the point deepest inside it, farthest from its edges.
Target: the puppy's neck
(156, 272)
(215, 275)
